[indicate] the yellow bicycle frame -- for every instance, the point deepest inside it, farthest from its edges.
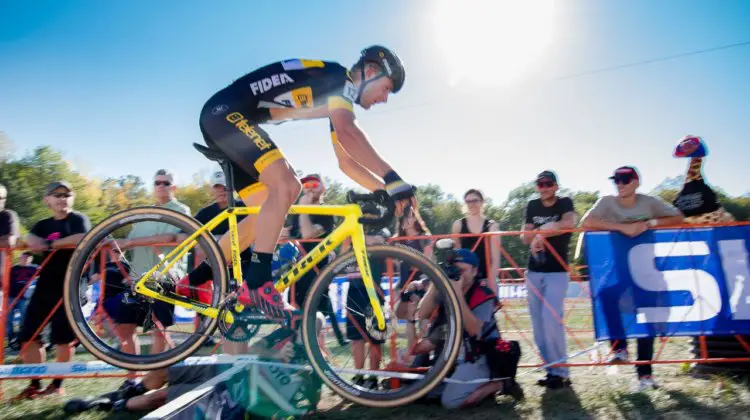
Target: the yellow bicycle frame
(350, 228)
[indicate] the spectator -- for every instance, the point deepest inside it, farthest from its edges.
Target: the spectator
(313, 226)
(144, 256)
(410, 224)
(221, 202)
(10, 229)
(475, 222)
(151, 393)
(358, 304)
(479, 325)
(631, 213)
(206, 214)
(546, 279)
(21, 275)
(147, 233)
(55, 237)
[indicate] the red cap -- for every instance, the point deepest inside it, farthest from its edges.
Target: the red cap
(625, 171)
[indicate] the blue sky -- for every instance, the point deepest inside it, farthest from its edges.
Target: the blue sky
(118, 85)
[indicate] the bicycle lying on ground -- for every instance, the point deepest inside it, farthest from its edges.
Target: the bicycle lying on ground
(156, 285)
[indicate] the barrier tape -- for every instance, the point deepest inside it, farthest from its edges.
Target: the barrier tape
(97, 367)
(93, 368)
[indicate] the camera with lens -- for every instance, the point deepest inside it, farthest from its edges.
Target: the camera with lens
(446, 258)
(406, 296)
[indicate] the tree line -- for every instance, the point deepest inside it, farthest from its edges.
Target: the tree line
(26, 177)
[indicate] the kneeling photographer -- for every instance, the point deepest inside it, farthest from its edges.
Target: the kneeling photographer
(483, 354)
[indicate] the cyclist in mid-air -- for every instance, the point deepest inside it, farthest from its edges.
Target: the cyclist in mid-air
(294, 89)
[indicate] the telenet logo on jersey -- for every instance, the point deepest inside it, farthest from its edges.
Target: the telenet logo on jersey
(266, 83)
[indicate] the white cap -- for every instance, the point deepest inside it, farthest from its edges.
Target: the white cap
(218, 179)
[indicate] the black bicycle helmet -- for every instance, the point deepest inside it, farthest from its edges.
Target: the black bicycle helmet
(389, 61)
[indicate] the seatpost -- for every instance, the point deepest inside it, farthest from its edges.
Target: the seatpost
(226, 167)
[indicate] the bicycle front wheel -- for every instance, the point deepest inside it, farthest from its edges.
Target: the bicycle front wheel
(108, 317)
(401, 380)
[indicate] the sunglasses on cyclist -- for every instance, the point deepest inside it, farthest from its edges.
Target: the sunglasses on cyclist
(162, 183)
(62, 195)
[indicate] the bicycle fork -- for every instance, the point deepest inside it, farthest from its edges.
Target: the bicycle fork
(360, 253)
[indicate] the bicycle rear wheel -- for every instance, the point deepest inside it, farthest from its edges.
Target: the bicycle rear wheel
(336, 377)
(79, 275)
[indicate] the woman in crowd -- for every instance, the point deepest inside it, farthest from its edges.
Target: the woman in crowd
(475, 222)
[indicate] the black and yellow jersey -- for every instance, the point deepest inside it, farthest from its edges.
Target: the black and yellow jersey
(293, 89)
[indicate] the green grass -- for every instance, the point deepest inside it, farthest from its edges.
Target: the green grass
(593, 396)
(598, 392)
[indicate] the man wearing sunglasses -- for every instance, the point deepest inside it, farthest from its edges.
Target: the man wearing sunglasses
(144, 234)
(142, 257)
(55, 237)
(631, 213)
(313, 226)
(546, 278)
(310, 226)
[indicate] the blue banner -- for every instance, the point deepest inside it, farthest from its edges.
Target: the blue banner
(682, 282)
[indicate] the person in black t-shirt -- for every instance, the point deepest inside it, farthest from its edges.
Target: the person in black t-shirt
(310, 226)
(221, 202)
(358, 304)
(313, 226)
(55, 237)
(206, 214)
(547, 279)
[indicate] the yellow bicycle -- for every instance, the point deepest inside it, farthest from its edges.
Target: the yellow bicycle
(156, 287)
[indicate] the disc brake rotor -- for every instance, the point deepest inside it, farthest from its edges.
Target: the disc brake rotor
(371, 325)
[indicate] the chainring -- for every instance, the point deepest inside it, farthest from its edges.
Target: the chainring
(239, 331)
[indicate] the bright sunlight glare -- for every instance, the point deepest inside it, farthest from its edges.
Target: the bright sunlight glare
(492, 41)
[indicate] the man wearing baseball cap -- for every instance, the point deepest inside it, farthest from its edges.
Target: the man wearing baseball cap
(479, 325)
(313, 226)
(631, 214)
(218, 184)
(310, 226)
(546, 278)
(221, 202)
(55, 237)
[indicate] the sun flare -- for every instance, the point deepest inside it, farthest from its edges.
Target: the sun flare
(492, 41)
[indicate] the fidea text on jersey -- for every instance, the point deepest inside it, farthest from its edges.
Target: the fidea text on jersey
(267, 83)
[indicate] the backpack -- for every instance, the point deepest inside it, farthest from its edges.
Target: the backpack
(503, 356)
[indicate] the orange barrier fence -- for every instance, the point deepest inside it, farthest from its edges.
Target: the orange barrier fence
(512, 315)
(505, 276)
